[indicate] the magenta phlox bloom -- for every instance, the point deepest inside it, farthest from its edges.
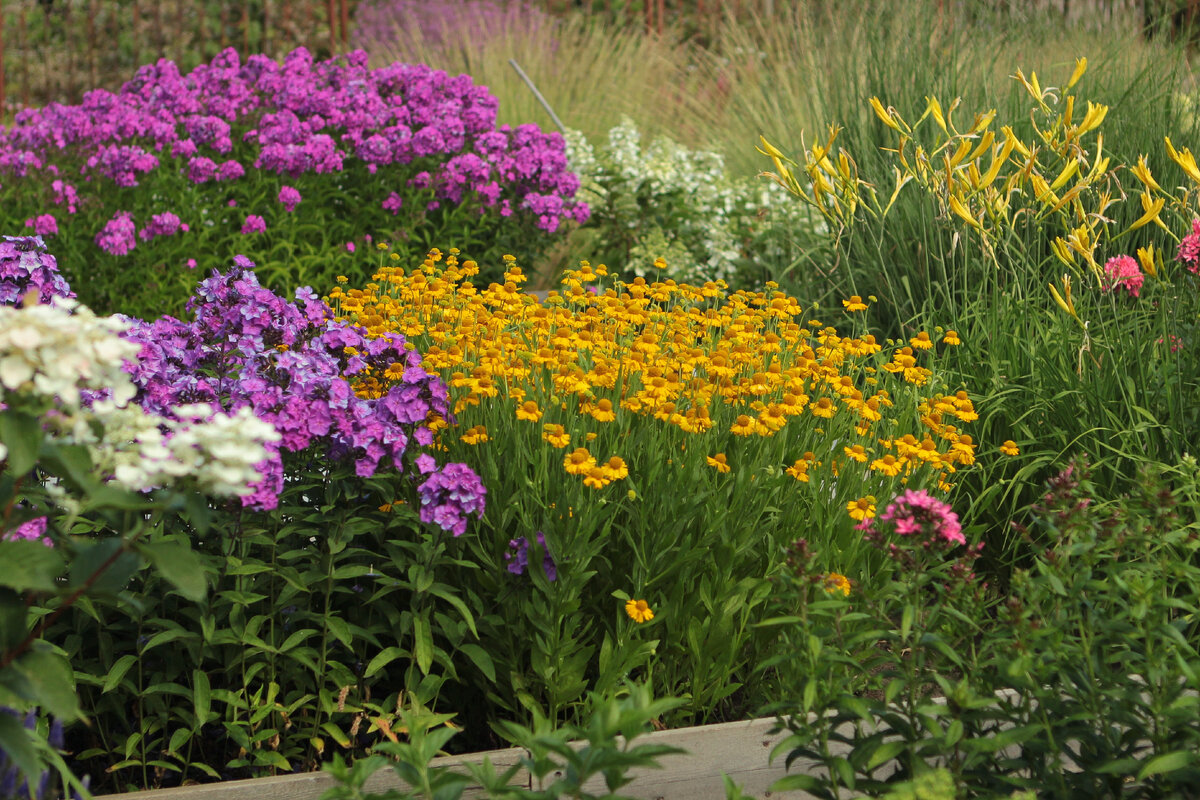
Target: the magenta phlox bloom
(117, 236)
(449, 496)
(1189, 248)
(43, 225)
(1123, 273)
(32, 531)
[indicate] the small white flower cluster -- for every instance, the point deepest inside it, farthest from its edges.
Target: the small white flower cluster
(705, 221)
(50, 354)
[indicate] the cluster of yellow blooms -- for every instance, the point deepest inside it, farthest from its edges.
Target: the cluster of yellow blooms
(694, 358)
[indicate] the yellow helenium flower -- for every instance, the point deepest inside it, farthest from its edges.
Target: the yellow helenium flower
(615, 469)
(1009, 448)
(475, 435)
(951, 338)
(921, 341)
(836, 582)
(529, 411)
(799, 470)
(596, 478)
(556, 435)
(889, 465)
(862, 508)
(855, 303)
(856, 452)
(823, 408)
(718, 461)
(639, 611)
(603, 410)
(743, 426)
(579, 461)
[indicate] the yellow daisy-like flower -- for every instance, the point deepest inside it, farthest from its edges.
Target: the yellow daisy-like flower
(889, 465)
(743, 426)
(799, 470)
(857, 452)
(855, 303)
(823, 408)
(596, 478)
(862, 508)
(639, 611)
(719, 462)
(921, 341)
(951, 338)
(603, 410)
(476, 435)
(529, 411)
(579, 461)
(556, 435)
(836, 582)
(1009, 448)
(615, 469)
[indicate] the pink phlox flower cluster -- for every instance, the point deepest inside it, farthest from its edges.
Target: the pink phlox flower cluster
(289, 198)
(1123, 272)
(43, 225)
(253, 224)
(916, 513)
(1189, 248)
(32, 531)
(25, 265)
(65, 193)
(165, 224)
(117, 236)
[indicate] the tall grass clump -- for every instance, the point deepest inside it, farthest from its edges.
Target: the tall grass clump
(589, 73)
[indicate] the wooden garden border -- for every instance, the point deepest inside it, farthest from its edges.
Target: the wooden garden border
(741, 750)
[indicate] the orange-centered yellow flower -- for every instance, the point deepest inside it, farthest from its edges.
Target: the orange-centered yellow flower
(639, 611)
(855, 303)
(556, 435)
(579, 461)
(614, 469)
(1009, 448)
(836, 582)
(862, 508)
(718, 461)
(529, 411)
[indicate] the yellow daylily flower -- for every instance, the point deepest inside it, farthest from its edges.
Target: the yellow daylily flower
(1152, 209)
(1067, 172)
(1184, 159)
(935, 108)
(1092, 119)
(884, 115)
(961, 210)
(1146, 256)
(1063, 251)
(1142, 173)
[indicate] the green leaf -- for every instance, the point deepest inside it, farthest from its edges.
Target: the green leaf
(16, 744)
(480, 658)
(340, 629)
(422, 643)
(385, 657)
(1167, 762)
(28, 566)
(201, 697)
(51, 680)
(180, 565)
(118, 671)
(91, 557)
(13, 627)
(884, 753)
(22, 434)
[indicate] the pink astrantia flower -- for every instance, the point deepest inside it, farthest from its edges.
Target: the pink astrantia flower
(1123, 272)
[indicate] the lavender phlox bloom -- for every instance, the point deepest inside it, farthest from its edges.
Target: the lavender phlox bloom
(517, 557)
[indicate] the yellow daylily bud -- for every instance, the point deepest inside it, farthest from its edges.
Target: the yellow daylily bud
(961, 210)
(1062, 303)
(973, 175)
(1184, 159)
(900, 182)
(1067, 172)
(1146, 256)
(1092, 119)
(935, 108)
(959, 153)
(1080, 68)
(1142, 173)
(1009, 136)
(1070, 195)
(1033, 87)
(985, 144)
(1152, 209)
(1063, 251)
(844, 167)
(769, 149)
(983, 120)
(884, 115)
(1042, 190)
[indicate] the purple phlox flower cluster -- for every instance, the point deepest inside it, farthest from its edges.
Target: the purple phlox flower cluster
(1123, 272)
(253, 224)
(302, 116)
(122, 163)
(393, 202)
(1189, 248)
(449, 495)
(289, 198)
(43, 225)
(117, 236)
(32, 531)
(65, 193)
(25, 265)
(298, 369)
(518, 557)
(165, 224)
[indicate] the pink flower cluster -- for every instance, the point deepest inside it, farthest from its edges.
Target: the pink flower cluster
(32, 531)
(1123, 272)
(1189, 248)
